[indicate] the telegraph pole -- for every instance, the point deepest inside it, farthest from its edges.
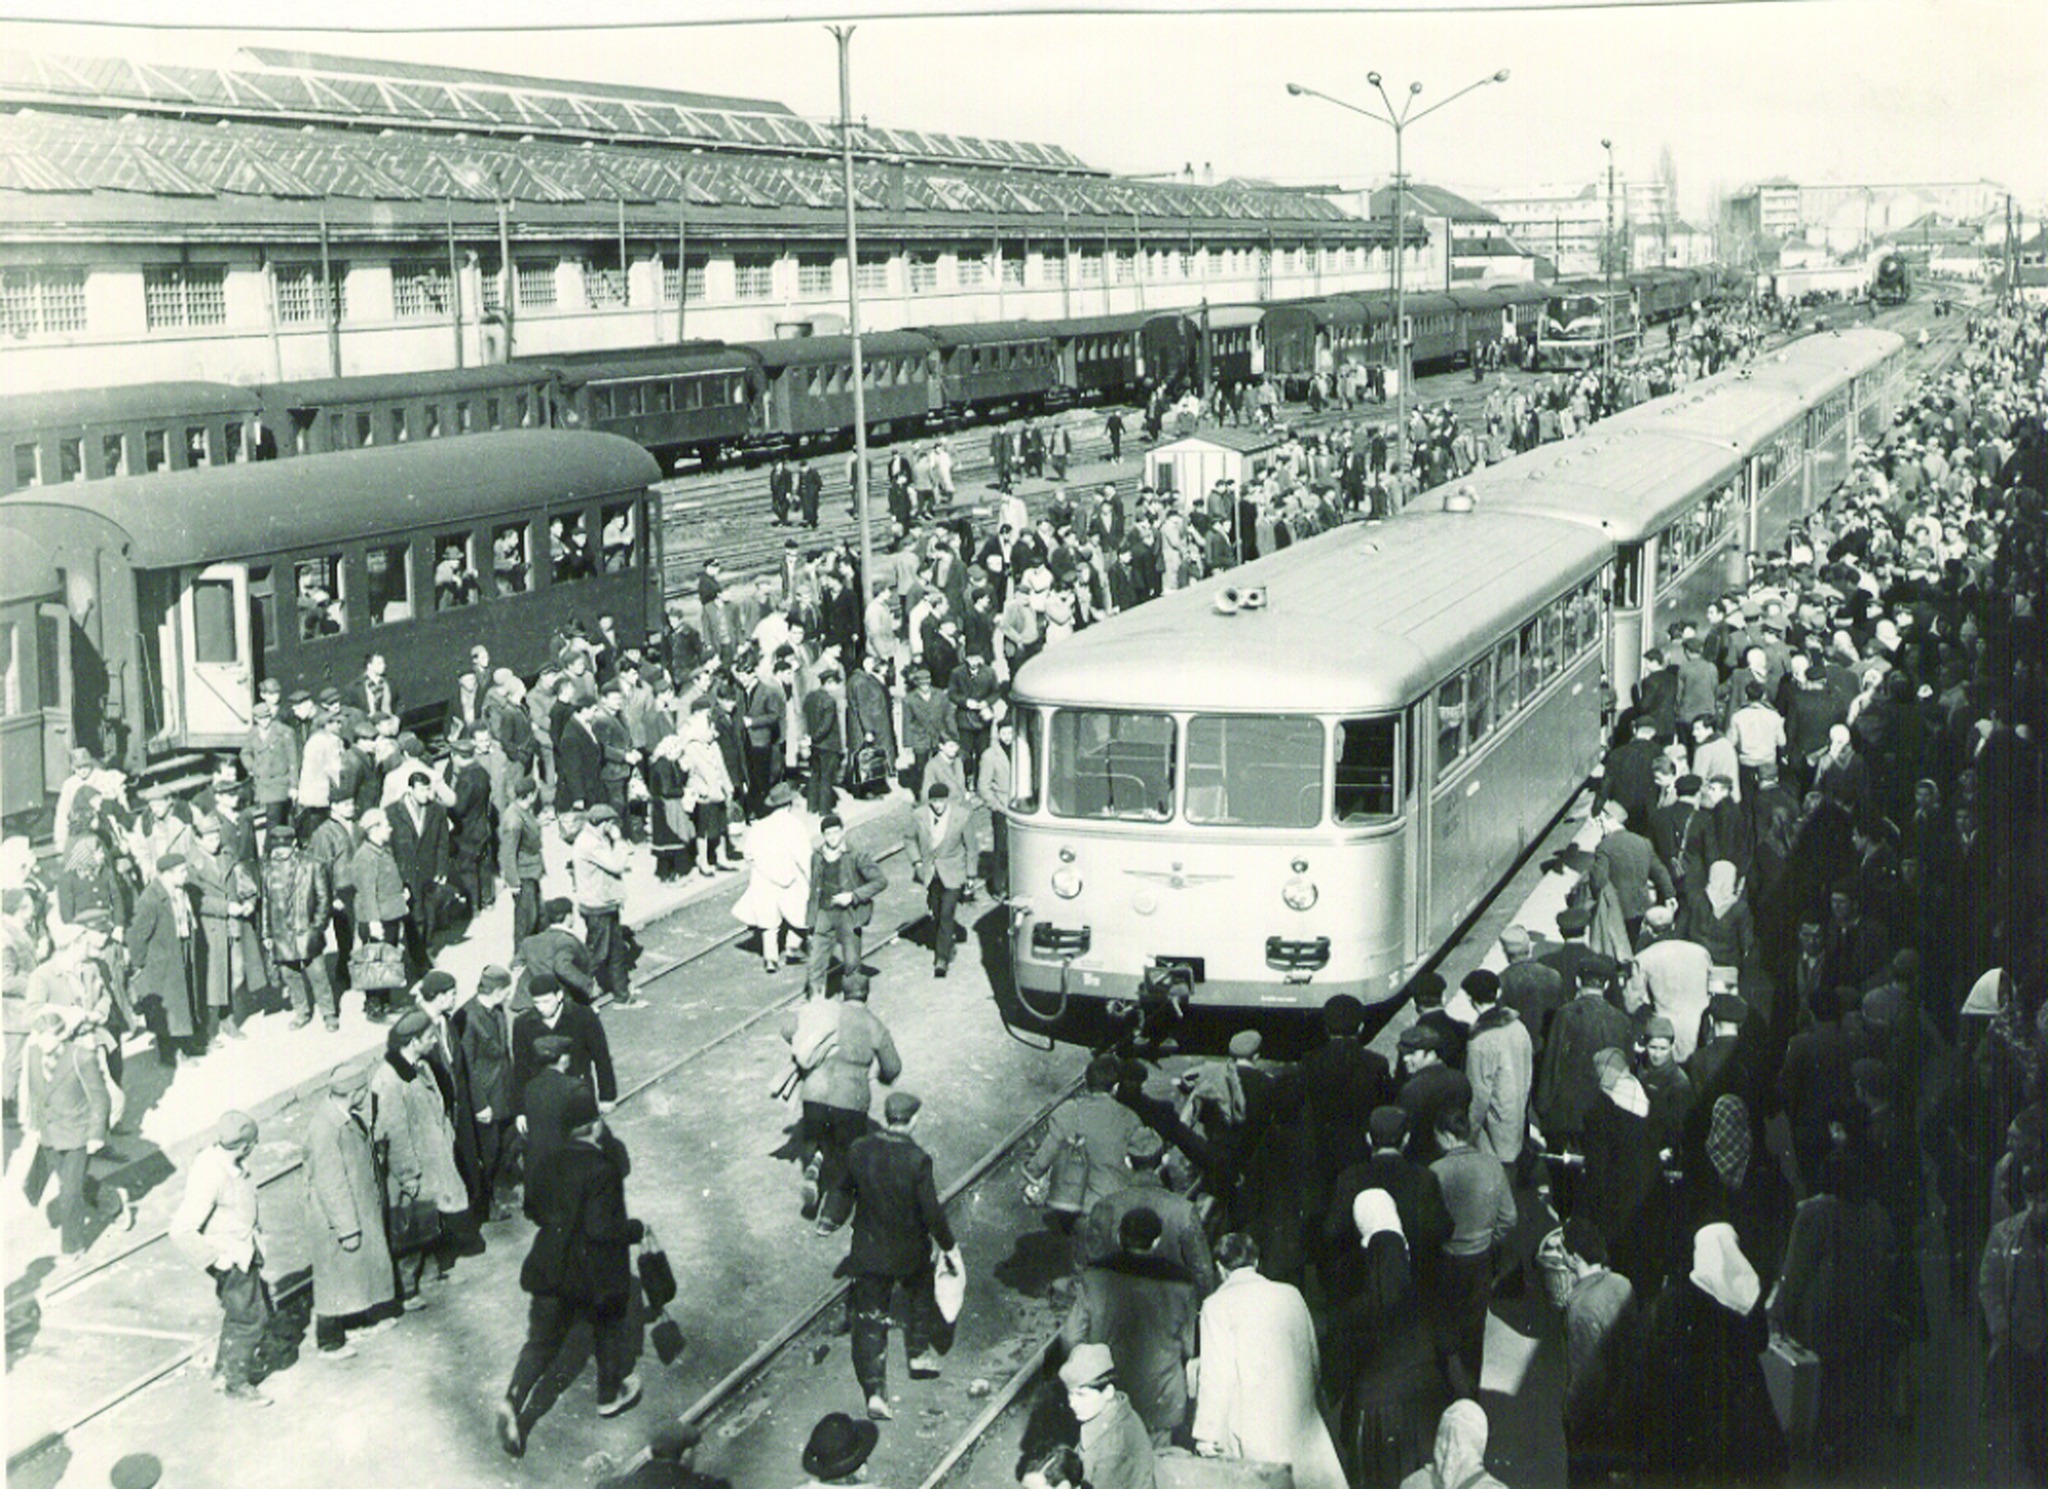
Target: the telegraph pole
(844, 36)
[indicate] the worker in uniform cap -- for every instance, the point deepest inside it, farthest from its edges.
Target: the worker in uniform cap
(897, 1220)
(1116, 1450)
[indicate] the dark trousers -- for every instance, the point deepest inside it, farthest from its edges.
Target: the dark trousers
(549, 1321)
(943, 900)
(615, 795)
(607, 948)
(305, 984)
(830, 1132)
(471, 876)
(835, 932)
(999, 855)
(418, 931)
(73, 1206)
(761, 774)
(245, 1319)
(871, 1302)
(821, 790)
(492, 1173)
(344, 924)
(525, 909)
(1464, 1292)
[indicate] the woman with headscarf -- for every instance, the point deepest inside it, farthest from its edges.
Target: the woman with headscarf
(711, 790)
(673, 828)
(1459, 1460)
(1729, 1182)
(1383, 1366)
(1621, 1168)
(1832, 1299)
(1717, 916)
(776, 900)
(1708, 1410)
(88, 883)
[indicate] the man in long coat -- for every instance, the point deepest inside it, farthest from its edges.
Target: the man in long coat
(420, 843)
(352, 1273)
(1256, 1383)
(162, 956)
(870, 723)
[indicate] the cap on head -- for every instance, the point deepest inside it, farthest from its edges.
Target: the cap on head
(235, 1129)
(1656, 1026)
(1087, 1365)
(1245, 1043)
(900, 1107)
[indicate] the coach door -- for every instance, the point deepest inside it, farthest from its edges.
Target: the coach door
(216, 679)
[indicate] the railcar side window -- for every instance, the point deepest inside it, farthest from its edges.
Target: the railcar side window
(1024, 768)
(400, 430)
(1365, 771)
(1255, 771)
(1507, 679)
(155, 450)
(322, 607)
(432, 411)
(196, 446)
(1537, 661)
(455, 577)
(1450, 723)
(494, 414)
(569, 548)
(71, 459)
(28, 465)
(1478, 700)
(465, 417)
(509, 565)
(366, 433)
(388, 583)
(621, 538)
(114, 454)
(1112, 765)
(213, 621)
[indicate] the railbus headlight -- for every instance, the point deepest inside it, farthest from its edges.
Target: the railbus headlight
(1066, 879)
(1300, 892)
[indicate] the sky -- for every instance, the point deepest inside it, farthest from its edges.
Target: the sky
(1859, 91)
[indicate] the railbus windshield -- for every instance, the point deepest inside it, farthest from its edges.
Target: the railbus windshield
(1284, 771)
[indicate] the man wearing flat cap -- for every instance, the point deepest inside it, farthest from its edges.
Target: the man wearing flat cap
(1116, 1451)
(216, 1225)
(352, 1274)
(1183, 1243)
(897, 1219)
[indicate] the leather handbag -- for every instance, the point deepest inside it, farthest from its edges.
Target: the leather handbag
(377, 966)
(412, 1225)
(657, 1277)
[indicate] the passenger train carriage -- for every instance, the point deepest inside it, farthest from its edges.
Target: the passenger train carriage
(1299, 778)
(160, 602)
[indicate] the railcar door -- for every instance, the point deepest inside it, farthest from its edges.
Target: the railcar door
(217, 681)
(54, 688)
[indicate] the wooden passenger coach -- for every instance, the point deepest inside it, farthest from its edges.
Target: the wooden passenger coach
(185, 592)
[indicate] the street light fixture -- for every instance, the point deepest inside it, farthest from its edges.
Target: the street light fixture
(1398, 120)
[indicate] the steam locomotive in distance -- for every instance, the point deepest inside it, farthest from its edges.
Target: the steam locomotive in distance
(1893, 282)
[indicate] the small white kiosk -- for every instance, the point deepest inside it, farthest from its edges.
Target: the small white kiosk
(1192, 466)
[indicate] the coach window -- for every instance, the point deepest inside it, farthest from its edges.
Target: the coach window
(1024, 763)
(262, 610)
(366, 431)
(71, 459)
(322, 604)
(465, 417)
(1507, 678)
(1108, 764)
(432, 415)
(196, 446)
(113, 455)
(1478, 700)
(510, 570)
(1364, 786)
(569, 548)
(387, 587)
(234, 444)
(401, 430)
(155, 450)
(1255, 771)
(1450, 723)
(620, 536)
(455, 577)
(28, 465)
(494, 414)
(525, 403)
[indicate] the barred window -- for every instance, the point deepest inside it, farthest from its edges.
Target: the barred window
(1184, 264)
(298, 293)
(1091, 266)
(695, 281)
(175, 295)
(1124, 267)
(1013, 265)
(604, 282)
(924, 273)
(536, 283)
(42, 300)
(814, 276)
(421, 289)
(874, 274)
(491, 283)
(1054, 269)
(973, 270)
(753, 277)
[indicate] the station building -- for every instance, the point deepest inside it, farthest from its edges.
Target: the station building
(298, 216)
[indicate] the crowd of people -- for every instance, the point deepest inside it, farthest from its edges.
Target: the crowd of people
(1815, 895)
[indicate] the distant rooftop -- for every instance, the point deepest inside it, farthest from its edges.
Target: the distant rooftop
(1432, 201)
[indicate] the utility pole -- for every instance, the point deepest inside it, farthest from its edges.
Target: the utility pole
(1607, 267)
(844, 36)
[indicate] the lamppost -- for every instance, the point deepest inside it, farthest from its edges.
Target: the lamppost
(1607, 268)
(1398, 120)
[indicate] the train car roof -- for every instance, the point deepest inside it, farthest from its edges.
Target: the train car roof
(987, 331)
(804, 351)
(310, 501)
(1228, 317)
(131, 401)
(1474, 297)
(1734, 412)
(1625, 485)
(28, 566)
(1429, 302)
(603, 356)
(1087, 325)
(710, 356)
(1365, 618)
(1338, 310)
(1852, 351)
(378, 386)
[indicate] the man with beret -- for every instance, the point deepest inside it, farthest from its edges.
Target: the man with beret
(1532, 989)
(1573, 921)
(1664, 1081)
(352, 1273)
(845, 882)
(579, 1270)
(1418, 1199)
(216, 1225)
(897, 1220)
(1566, 1085)
(598, 866)
(1116, 1450)
(1726, 1014)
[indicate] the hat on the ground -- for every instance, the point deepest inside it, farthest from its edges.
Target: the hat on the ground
(840, 1444)
(900, 1107)
(579, 1108)
(1087, 1365)
(136, 1471)
(1245, 1043)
